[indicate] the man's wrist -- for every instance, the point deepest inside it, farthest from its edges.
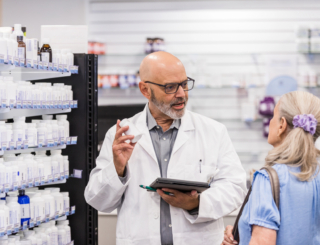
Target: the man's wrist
(196, 205)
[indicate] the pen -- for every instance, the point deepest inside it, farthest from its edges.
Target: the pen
(152, 189)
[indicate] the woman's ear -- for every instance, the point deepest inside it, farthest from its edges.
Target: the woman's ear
(283, 127)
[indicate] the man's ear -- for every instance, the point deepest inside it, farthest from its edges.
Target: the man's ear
(283, 126)
(144, 89)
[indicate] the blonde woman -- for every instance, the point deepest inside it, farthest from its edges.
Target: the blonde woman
(293, 131)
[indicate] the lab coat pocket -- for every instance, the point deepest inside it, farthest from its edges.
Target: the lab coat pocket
(205, 174)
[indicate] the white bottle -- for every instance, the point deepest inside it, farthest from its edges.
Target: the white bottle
(10, 47)
(47, 230)
(3, 47)
(6, 212)
(2, 219)
(11, 241)
(17, 30)
(49, 202)
(14, 45)
(11, 90)
(9, 132)
(65, 224)
(55, 169)
(28, 158)
(55, 130)
(15, 174)
(40, 231)
(61, 127)
(49, 130)
(2, 173)
(66, 166)
(47, 168)
(66, 201)
(62, 235)
(29, 235)
(3, 93)
(41, 133)
(3, 132)
(63, 118)
(41, 204)
(22, 121)
(32, 135)
(34, 206)
(23, 170)
(18, 133)
(6, 36)
(54, 232)
(8, 174)
(4, 240)
(40, 169)
(59, 201)
(14, 210)
(25, 242)
(56, 156)
(64, 56)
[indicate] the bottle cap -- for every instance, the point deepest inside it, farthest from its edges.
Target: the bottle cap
(61, 117)
(47, 117)
(56, 152)
(12, 199)
(65, 194)
(19, 38)
(53, 189)
(65, 157)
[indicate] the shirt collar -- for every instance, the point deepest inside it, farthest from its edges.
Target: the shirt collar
(151, 122)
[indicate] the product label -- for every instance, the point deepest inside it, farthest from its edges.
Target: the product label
(11, 104)
(65, 68)
(3, 103)
(16, 61)
(60, 68)
(24, 104)
(40, 143)
(9, 230)
(62, 141)
(40, 67)
(23, 184)
(6, 187)
(56, 216)
(56, 141)
(56, 177)
(25, 211)
(15, 186)
(30, 183)
(66, 174)
(29, 63)
(35, 64)
(25, 223)
(4, 146)
(36, 181)
(16, 227)
(50, 66)
(19, 104)
(50, 179)
(62, 175)
(73, 209)
(2, 231)
(55, 67)
(74, 140)
(12, 145)
(50, 143)
(68, 141)
(45, 57)
(75, 104)
(38, 220)
(74, 69)
(10, 60)
(67, 211)
(29, 104)
(43, 180)
(22, 62)
(25, 144)
(45, 65)
(55, 104)
(31, 223)
(47, 218)
(19, 143)
(1, 58)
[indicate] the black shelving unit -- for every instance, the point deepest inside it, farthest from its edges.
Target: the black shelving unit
(83, 123)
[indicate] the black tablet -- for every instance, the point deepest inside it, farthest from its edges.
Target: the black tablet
(180, 185)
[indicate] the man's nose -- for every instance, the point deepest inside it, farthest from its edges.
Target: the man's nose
(180, 92)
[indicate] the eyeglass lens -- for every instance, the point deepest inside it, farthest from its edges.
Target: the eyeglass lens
(173, 88)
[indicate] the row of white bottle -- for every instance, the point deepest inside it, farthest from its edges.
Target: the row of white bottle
(46, 94)
(47, 234)
(27, 170)
(37, 133)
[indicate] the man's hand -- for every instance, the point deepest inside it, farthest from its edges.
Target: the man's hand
(187, 201)
(121, 150)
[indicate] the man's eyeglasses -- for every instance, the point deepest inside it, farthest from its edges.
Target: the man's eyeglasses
(172, 88)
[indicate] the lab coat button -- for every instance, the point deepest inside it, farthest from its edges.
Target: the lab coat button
(156, 215)
(170, 225)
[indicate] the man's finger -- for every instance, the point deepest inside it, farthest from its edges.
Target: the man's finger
(118, 125)
(164, 196)
(227, 239)
(122, 146)
(171, 190)
(121, 131)
(123, 139)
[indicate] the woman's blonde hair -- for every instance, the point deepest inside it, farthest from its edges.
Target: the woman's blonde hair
(298, 148)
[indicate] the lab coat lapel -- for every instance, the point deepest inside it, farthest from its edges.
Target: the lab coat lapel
(145, 140)
(183, 133)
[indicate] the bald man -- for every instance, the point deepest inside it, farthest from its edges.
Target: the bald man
(175, 143)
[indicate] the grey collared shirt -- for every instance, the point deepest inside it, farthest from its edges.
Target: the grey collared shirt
(163, 143)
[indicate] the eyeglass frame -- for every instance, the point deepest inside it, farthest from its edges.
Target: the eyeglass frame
(179, 84)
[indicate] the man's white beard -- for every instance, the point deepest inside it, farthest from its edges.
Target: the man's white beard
(167, 109)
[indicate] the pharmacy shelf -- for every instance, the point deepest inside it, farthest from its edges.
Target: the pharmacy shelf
(32, 224)
(34, 149)
(7, 113)
(29, 74)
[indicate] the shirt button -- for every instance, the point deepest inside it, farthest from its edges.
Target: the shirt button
(164, 138)
(165, 160)
(170, 225)
(155, 215)
(157, 127)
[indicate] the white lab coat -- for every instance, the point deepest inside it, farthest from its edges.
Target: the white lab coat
(139, 210)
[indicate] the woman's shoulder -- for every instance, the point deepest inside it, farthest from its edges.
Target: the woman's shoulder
(282, 171)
